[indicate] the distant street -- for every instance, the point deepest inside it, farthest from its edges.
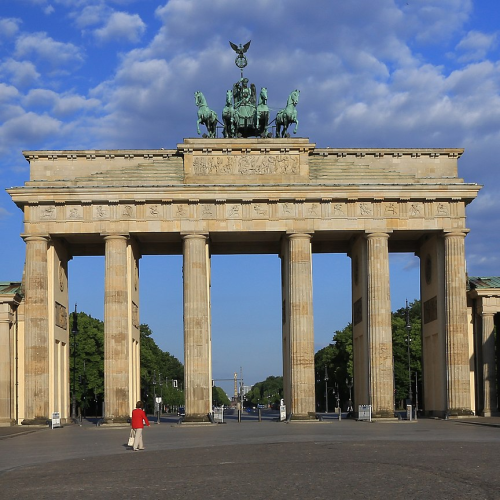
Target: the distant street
(339, 459)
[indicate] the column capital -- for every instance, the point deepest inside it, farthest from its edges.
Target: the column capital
(377, 234)
(459, 233)
(299, 235)
(35, 237)
(115, 236)
(188, 236)
(487, 314)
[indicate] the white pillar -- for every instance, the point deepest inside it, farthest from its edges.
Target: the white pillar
(379, 326)
(298, 327)
(197, 339)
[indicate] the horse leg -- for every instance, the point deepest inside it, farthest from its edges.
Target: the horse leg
(198, 125)
(296, 126)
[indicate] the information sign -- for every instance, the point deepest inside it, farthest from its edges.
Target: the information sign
(56, 420)
(365, 412)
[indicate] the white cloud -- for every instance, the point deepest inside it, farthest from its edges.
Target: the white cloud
(28, 128)
(121, 27)
(20, 73)
(48, 50)
(476, 45)
(9, 27)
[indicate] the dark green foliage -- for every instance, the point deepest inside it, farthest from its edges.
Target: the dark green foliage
(268, 392)
(400, 349)
(161, 373)
(219, 397)
(338, 360)
(157, 366)
(89, 377)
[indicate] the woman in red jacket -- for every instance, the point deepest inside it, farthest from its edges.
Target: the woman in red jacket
(139, 418)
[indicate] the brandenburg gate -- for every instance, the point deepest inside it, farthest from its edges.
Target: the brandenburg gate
(246, 195)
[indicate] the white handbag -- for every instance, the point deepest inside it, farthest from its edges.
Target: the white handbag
(131, 438)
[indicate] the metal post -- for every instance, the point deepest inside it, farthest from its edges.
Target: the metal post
(416, 396)
(408, 341)
(326, 390)
(74, 331)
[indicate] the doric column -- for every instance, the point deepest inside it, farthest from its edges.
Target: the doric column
(197, 339)
(116, 320)
(457, 343)
(36, 332)
(488, 359)
(379, 326)
(299, 325)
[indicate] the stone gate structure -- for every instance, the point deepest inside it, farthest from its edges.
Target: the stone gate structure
(221, 196)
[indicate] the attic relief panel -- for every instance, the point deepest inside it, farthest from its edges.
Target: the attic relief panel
(246, 165)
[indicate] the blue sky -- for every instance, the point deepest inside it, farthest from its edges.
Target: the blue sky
(98, 74)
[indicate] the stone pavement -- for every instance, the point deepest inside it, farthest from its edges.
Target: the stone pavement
(426, 459)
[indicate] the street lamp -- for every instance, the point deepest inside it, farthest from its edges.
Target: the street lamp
(408, 341)
(326, 390)
(74, 331)
(349, 384)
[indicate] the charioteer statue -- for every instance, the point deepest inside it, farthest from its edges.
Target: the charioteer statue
(242, 116)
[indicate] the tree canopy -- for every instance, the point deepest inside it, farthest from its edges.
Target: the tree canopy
(268, 392)
(161, 373)
(336, 360)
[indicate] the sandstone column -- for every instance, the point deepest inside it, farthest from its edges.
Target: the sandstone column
(488, 360)
(36, 354)
(379, 326)
(7, 359)
(116, 318)
(197, 339)
(457, 345)
(298, 335)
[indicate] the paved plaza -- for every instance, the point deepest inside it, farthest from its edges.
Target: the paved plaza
(426, 459)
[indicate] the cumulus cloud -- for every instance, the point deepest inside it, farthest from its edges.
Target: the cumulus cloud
(48, 50)
(9, 27)
(19, 73)
(121, 26)
(475, 45)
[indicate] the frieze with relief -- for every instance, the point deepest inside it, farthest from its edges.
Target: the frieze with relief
(246, 165)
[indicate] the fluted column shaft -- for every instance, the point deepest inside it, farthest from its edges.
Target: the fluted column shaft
(116, 320)
(457, 342)
(197, 341)
(488, 358)
(36, 331)
(301, 326)
(379, 326)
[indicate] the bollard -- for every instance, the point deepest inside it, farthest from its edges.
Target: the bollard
(239, 415)
(260, 415)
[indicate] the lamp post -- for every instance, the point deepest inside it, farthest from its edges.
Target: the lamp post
(326, 390)
(408, 341)
(74, 331)
(154, 392)
(349, 384)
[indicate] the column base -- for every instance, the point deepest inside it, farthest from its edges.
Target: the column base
(304, 416)
(36, 421)
(490, 413)
(125, 420)
(459, 412)
(382, 414)
(196, 417)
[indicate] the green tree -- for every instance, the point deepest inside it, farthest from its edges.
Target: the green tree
(88, 351)
(336, 361)
(161, 373)
(267, 392)
(400, 349)
(219, 397)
